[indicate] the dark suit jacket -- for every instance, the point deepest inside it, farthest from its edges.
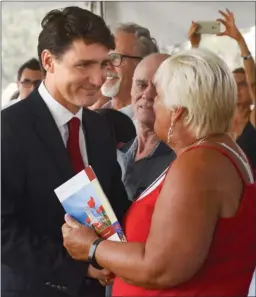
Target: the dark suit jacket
(35, 162)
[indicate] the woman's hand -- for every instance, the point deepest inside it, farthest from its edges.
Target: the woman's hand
(77, 239)
(229, 22)
(194, 37)
(104, 276)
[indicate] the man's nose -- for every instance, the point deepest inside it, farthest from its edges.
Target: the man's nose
(31, 88)
(149, 93)
(97, 77)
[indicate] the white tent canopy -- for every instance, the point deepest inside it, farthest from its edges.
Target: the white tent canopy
(169, 21)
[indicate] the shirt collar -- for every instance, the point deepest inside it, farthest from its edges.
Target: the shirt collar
(60, 114)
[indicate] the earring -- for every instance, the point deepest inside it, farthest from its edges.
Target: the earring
(170, 133)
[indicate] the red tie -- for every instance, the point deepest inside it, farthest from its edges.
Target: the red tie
(73, 145)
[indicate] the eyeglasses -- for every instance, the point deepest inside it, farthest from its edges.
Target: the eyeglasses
(117, 59)
(27, 83)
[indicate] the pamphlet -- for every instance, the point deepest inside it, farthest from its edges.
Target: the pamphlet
(82, 197)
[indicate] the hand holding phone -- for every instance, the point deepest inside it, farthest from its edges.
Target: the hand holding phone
(228, 21)
(193, 36)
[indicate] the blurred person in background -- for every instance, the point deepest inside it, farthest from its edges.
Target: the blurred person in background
(192, 233)
(29, 77)
(133, 43)
(144, 158)
(243, 130)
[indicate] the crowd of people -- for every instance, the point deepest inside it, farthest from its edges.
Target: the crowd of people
(172, 141)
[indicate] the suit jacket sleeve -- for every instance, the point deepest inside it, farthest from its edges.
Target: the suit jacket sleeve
(117, 193)
(23, 249)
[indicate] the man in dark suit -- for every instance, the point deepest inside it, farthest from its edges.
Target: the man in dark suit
(46, 140)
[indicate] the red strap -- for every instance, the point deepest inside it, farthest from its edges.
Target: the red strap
(223, 152)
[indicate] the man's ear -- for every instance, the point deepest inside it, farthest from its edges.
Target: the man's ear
(47, 59)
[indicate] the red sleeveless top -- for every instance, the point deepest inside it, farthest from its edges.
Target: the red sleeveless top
(231, 260)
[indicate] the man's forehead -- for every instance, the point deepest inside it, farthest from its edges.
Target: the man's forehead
(147, 68)
(31, 74)
(143, 72)
(125, 43)
(80, 50)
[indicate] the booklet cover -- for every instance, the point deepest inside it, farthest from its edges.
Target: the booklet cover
(83, 198)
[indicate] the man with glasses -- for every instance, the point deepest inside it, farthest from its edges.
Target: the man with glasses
(29, 77)
(133, 43)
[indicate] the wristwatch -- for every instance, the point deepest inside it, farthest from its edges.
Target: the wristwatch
(249, 56)
(91, 255)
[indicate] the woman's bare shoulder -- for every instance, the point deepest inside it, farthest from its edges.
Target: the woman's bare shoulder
(202, 167)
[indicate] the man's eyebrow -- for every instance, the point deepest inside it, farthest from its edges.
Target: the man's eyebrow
(107, 60)
(88, 62)
(139, 80)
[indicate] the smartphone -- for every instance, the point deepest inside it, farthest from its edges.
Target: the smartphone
(208, 27)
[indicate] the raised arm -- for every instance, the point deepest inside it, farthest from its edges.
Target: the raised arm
(249, 65)
(194, 37)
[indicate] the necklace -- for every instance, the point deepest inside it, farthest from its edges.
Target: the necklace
(201, 140)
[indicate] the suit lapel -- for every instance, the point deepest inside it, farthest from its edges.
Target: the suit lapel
(50, 136)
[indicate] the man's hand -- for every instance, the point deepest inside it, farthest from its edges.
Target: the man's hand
(229, 22)
(104, 276)
(194, 37)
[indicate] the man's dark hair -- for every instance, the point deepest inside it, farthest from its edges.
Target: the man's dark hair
(61, 27)
(32, 64)
(239, 70)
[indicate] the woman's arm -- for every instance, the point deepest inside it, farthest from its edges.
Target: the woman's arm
(249, 64)
(181, 232)
(250, 72)
(194, 38)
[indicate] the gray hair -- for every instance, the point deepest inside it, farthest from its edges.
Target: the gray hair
(146, 43)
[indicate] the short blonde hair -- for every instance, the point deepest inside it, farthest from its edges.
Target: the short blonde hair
(201, 82)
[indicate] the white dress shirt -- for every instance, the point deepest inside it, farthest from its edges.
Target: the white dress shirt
(61, 117)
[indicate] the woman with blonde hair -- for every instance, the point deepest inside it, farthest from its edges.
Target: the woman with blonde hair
(192, 232)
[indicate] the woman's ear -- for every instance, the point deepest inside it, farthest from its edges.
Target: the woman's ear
(177, 114)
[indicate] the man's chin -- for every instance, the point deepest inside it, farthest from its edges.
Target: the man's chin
(145, 121)
(111, 89)
(111, 92)
(86, 101)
